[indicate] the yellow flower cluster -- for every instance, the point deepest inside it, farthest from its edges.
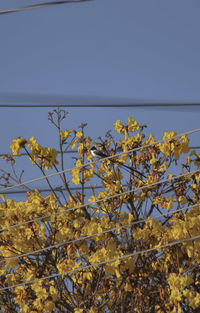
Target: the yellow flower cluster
(131, 127)
(118, 126)
(174, 146)
(178, 284)
(17, 144)
(45, 157)
(164, 202)
(118, 230)
(65, 134)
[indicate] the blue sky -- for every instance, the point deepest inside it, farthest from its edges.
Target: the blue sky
(140, 51)
(137, 49)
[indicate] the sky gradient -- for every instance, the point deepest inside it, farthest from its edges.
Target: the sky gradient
(140, 51)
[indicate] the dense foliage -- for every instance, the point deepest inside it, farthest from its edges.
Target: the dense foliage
(161, 280)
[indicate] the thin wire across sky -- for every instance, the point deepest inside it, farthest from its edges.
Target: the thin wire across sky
(101, 200)
(100, 160)
(66, 242)
(40, 6)
(122, 105)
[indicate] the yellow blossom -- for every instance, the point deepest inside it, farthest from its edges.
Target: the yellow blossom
(17, 144)
(118, 126)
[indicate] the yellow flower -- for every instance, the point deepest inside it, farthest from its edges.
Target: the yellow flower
(17, 144)
(154, 159)
(46, 157)
(3, 197)
(65, 134)
(182, 200)
(31, 142)
(76, 176)
(118, 126)
(92, 199)
(92, 310)
(49, 306)
(80, 149)
(132, 124)
(77, 310)
(79, 134)
(170, 177)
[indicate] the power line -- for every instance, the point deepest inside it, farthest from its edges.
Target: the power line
(81, 268)
(100, 160)
(99, 201)
(25, 154)
(52, 100)
(55, 188)
(125, 105)
(74, 151)
(40, 5)
(194, 147)
(48, 189)
(63, 243)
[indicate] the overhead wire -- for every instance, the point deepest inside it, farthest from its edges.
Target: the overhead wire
(101, 200)
(66, 242)
(115, 228)
(74, 151)
(60, 188)
(40, 5)
(194, 147)
(124, 105)
(48, 189)
(25, 154)
(83, 268)
(99, 160)
(175, 177)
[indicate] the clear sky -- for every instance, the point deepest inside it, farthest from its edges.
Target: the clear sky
(115, 49)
